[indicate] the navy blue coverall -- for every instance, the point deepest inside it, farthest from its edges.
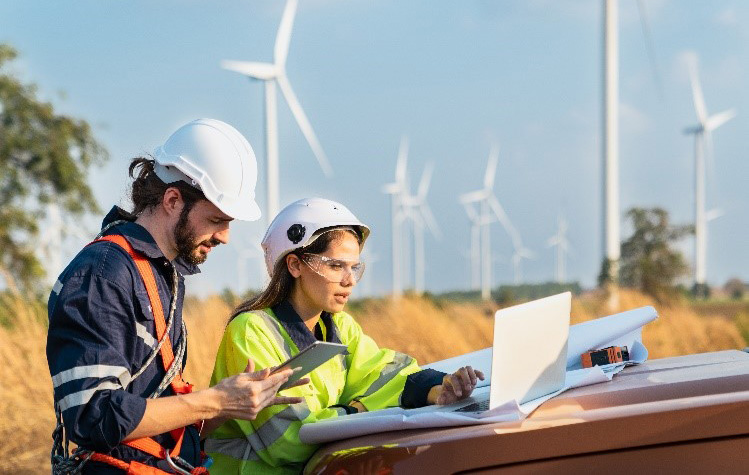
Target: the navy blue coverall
(101, 331)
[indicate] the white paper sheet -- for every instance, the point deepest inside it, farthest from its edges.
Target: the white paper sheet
(396, 418)
(622, 329)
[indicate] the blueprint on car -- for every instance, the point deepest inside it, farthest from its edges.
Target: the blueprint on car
(622, 329)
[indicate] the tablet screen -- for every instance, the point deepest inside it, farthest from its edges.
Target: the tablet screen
(310, 358)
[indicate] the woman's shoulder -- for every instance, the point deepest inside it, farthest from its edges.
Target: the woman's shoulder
(258, 319)
(346, 323)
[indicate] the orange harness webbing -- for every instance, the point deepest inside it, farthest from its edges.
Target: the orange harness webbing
(179, 386)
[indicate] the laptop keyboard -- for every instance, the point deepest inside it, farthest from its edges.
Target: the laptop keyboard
(479, 406)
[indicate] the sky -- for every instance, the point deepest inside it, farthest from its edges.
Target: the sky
(452, 76)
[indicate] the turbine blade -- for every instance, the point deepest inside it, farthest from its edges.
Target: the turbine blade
(716, 120)
(283, 37)
(471, 212)
(473, 196)
(714, 214)
(431, 223)
(491, 167)
(499, 212)
(650, 46)
(426, 179)
(697, 97)
(254, 70)
(304, 125)
(391, 188)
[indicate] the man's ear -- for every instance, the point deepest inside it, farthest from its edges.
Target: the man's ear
(294, 264)
(172, 202)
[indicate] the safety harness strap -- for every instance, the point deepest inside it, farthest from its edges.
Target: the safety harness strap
(146, 272)
(147, 444)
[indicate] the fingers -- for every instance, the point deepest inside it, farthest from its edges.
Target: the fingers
(285, 400)
(300, 382)
(464, 376)
(472, 376)
(480, 375)
(250, 366)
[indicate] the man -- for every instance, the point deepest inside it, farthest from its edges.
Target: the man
(117, 342)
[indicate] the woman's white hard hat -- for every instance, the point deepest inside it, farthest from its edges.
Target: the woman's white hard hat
(297, 225)
(213, 156)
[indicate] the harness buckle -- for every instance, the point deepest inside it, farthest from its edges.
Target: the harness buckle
(173, 464)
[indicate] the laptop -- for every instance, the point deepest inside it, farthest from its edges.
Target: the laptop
(529, 354)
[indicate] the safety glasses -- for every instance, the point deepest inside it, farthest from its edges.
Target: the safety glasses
(334, 270)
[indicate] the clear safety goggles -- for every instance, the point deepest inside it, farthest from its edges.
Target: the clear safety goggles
(334, 270)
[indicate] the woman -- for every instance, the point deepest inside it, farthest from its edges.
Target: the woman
(312, 254)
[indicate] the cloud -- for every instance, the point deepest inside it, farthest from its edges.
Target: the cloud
(726, 17)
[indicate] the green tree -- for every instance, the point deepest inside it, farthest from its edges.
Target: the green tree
(648, 260)
(44, 158)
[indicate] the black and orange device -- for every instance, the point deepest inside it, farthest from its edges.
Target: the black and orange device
(604, 356)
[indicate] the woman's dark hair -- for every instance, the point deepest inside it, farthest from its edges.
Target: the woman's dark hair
(282, 283)
(148, 190)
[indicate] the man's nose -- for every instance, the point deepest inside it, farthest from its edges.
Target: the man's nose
(223, 235)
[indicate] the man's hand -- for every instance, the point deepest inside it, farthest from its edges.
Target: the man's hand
(243, 396)
(456, 386)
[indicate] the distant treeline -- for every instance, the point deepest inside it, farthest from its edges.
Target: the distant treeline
(505, 294)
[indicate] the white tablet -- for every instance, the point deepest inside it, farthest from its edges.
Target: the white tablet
(310, 358)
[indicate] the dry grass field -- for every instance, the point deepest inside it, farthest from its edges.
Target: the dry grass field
(429, 330)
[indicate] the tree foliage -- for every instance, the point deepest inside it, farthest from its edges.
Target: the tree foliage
(649, 261)
(44, 158)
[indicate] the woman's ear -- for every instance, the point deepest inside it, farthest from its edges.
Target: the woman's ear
(294, 264)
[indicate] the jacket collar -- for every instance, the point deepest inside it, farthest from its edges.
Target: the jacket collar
(141, 239)
(298, 331)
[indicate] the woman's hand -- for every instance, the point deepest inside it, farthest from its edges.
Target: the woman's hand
(455, 387)
(243, 396)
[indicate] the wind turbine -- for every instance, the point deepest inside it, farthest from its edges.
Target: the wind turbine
(418, 211)
(610, 193)
(489, 211)
(517, 262)
(272, 74)
(703, 144)
(398, 191)
(559, 240)
(247, 253)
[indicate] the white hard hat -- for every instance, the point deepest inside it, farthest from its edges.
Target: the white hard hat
(213, 156)
(295, 226)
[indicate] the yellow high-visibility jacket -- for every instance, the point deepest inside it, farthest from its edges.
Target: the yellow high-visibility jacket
(270, 444)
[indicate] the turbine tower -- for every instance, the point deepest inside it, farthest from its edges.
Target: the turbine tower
(398, 192)
(272, 74)
(559, 240)
(611, 219)
(703, 145)
(418, 212)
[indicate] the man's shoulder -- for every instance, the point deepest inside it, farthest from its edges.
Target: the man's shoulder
(102, 259)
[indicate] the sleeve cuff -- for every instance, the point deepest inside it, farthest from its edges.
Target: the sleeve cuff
(417, 387)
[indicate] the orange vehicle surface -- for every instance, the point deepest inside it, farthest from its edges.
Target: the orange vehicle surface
(686, 414)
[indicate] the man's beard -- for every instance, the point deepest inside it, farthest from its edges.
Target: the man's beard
(187, 243)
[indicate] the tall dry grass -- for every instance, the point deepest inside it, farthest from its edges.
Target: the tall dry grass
(427, 329)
